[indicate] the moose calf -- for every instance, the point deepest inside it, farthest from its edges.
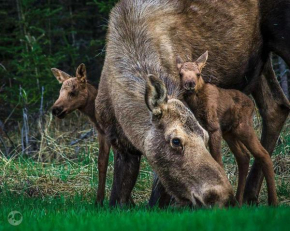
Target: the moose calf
(78, 93)
(228, 114)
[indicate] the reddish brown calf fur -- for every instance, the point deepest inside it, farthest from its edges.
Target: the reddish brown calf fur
(228, 114)
(77, 93)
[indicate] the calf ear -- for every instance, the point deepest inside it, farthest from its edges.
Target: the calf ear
(179, 62)
(155, 94)
(60, 75)
(202, 60)
(81, 73)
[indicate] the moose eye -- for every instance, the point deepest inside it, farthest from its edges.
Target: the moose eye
(198, 74)
(176, 142)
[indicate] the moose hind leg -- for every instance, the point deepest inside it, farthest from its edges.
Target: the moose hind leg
(262, 158)
(243, 160)
(215, 142)
(274, 109)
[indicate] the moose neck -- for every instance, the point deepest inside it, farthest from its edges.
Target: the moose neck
(199, 97)
(89, 108)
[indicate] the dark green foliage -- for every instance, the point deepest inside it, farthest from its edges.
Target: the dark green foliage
(37, 35)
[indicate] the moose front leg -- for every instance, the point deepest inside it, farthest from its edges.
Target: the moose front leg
(274, 109)
(159, 195)
(126, 169)
(118, 173)
(131, 171)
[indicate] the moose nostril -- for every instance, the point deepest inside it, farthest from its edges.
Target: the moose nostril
(191, 85)
(56, 110)
(211, 198)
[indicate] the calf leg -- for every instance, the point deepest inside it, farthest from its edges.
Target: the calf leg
(215, 139)
(274, 109)
(243, 161)
(262, 157)
(104, 151)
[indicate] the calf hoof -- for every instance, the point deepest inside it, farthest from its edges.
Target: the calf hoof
(273, 201)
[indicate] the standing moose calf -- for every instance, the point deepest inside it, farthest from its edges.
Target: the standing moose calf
(228, 114)
(78, 93)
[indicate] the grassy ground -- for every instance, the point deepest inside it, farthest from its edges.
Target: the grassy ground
(54, 187)
(78, 214)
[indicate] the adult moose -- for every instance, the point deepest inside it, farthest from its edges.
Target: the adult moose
(144, 37)
(163, 128)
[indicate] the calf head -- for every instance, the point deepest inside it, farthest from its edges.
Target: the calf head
(176, 148)
(190, 73)
(73, 93)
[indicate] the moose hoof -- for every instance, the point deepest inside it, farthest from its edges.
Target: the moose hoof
(251, 200)
(99, 203)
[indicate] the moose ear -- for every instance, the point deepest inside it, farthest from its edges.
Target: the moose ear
(202, 60)
(81, 73)
(179, 62)
(155, 94)
(60, 75)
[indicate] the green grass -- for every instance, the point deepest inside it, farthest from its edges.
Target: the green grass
(78, 214)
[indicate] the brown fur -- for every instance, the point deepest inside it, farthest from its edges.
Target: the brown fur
(144, 37)
(188, 172)
(227, 113)
(172, 120)
(77, 94)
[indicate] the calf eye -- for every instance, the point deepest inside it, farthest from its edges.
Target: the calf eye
(176, 142)
(72, 93)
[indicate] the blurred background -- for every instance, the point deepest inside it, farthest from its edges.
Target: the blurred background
(42, 155)
(37, 35)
